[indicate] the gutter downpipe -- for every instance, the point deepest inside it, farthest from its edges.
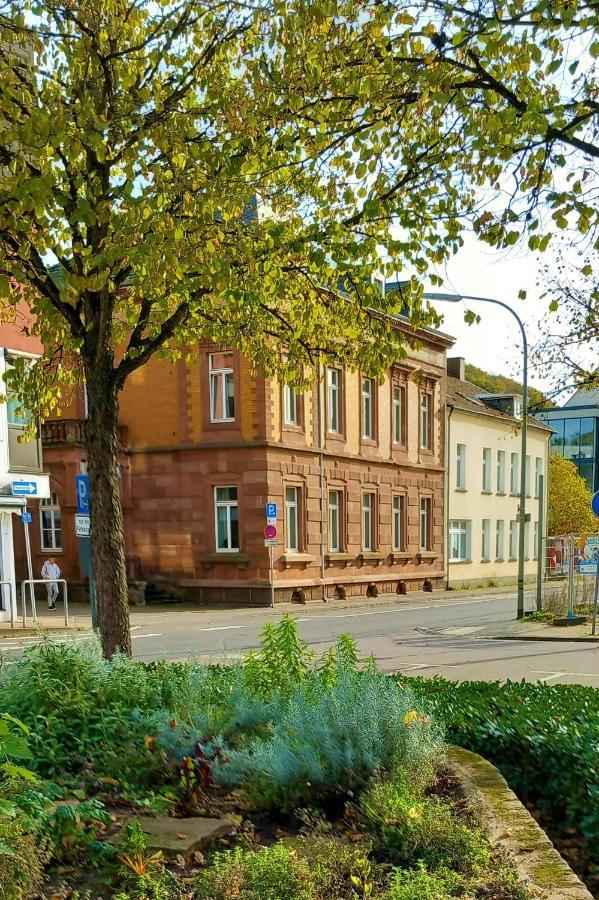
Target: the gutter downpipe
(449, 409)
(321, 475)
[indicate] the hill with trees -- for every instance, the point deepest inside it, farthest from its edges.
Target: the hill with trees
(501, 384)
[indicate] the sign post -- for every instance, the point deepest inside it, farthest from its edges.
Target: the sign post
(26, 520)
(270, 541)
(83, 532)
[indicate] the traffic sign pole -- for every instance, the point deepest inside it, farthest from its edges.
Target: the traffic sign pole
(271, 554)
(29, 564)
(595, 508)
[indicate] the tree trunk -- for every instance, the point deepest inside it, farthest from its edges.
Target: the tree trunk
(107, 532)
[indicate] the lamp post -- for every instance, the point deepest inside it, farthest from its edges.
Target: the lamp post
(457, 298)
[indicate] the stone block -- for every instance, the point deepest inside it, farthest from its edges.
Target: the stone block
(182, 836)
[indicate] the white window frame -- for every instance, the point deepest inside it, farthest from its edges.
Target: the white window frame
(500, 488)
(219, 378)
(460, 529)
(290, 405)
(292, 510)
(460, 467)
(426, 423)
(227, 505)
(368, 514)
(485, 534)
(399, 394)
(499, 540)
(513, 540)
(334, 401)
(514, 472)
(51, 507)
(335, 507)
(399, 507)
(487, 462)
(426, 523)
(367, 395)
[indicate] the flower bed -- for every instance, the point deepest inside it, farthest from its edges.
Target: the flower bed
(335, 771)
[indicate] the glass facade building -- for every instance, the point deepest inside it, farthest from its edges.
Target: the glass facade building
(576, 434)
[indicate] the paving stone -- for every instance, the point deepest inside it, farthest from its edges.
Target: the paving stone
(182, 836)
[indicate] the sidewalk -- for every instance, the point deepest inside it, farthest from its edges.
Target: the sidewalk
(517, 630)
(80, 617)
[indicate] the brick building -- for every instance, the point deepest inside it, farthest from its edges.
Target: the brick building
(206, 444)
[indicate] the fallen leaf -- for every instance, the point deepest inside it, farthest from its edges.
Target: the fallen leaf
(181, 836)
(354, 836)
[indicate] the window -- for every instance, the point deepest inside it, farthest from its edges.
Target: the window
(334, 521)
(460, 467)
(526, 540)
(459, 540)
(367, 408)
(486, 540)
(399, 511)
(426, 431)
(487, 470)
(426, 517)
(226, 516)
(538, 476)
(290, 405)
(499, 540)
(514, 473)
(50, 523)
(513, 539)
(501, 471)
(334, 400)
(222, 387)
(556, 441)
(527, 475)
(367, 522)
(535, 549)
(571, 438)
(292, 539)
(399, 408)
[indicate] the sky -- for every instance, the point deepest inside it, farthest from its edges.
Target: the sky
(495, 343)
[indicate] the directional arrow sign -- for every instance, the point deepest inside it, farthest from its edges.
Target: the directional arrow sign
(24, 488)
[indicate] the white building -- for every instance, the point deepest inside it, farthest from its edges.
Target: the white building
(21, 478)
(483, 483)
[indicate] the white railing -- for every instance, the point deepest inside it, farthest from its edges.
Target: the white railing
(34, 581)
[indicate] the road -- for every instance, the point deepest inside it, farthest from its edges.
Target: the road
(439, 635)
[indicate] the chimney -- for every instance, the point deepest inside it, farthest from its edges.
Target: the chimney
(456, 367)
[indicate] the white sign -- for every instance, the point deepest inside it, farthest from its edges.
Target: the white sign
(270, 543)
(82, 526)
(590, 556)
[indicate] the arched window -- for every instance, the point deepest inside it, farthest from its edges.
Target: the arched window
(50, 523)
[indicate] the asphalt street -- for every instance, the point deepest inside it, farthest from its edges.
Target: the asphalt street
(436, 636)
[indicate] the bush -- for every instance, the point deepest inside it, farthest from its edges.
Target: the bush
(415, 828)
(543, 738)
(330, 739)
(418, 884)
(22, 859)
(271, 873)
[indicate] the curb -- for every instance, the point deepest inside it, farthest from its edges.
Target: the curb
(539, 637)
(509, 825)
(43, 631)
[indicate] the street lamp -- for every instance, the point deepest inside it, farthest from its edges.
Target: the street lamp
(457, 298)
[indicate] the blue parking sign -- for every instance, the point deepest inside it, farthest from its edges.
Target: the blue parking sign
(82, 487)
(271, 510)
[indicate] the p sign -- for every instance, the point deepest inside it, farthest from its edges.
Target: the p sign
(82, 488)
(271, 511)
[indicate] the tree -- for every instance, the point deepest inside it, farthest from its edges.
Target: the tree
(493, 102)
(568, 499)
(133, 150)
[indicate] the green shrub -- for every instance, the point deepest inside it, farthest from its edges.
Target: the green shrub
(543, 738)
(418, 884)
(22, 859)
(331, 739)
(143, 874)
(271, 873)
(415, 828)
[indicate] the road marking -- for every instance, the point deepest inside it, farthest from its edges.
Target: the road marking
(136, 637)
(388, 609)
(224, 627)
(551, 675)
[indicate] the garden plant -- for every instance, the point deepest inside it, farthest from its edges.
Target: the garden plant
(334, 771)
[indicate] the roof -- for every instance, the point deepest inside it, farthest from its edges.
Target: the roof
(465, 396)
(583, 397)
